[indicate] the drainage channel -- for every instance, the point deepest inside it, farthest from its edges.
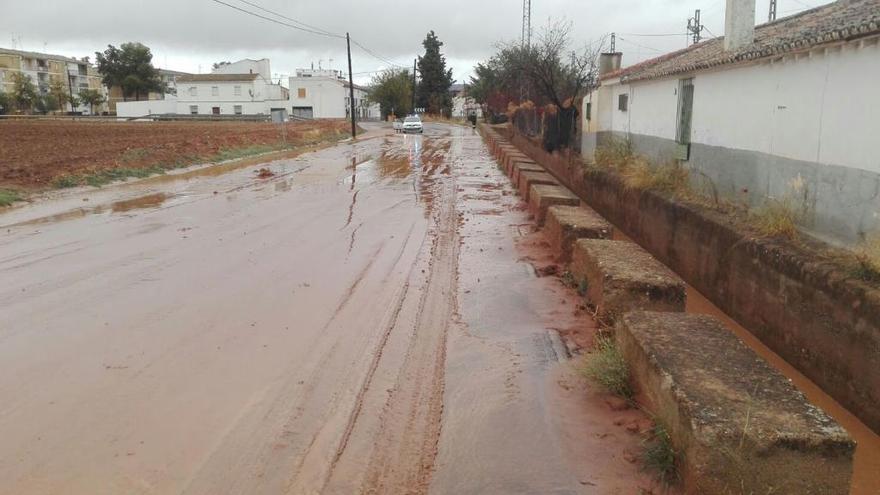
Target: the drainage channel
(866, 463)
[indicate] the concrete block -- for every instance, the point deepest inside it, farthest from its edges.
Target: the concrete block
(620, 277)
(567, 224)
(738, 424)
(543, 196)
(528, 179)
(509, 158)
(523, 166)
(503, 148)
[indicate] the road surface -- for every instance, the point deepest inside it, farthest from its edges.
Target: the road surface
(368, 319)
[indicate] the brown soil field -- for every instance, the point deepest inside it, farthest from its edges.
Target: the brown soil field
(36, 154)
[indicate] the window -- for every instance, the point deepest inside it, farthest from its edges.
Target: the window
(215, 91)
(623, 102)
(237, 109)
(194, 109)
(236, 90)
(193, 91)
(300, 92)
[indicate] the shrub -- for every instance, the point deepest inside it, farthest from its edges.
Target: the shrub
(777, 217)
(606, 367)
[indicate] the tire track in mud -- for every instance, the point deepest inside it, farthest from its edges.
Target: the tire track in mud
(409, 430)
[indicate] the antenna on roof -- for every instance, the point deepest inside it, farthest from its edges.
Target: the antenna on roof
(694, 27)
(613, 43)
(772, 16)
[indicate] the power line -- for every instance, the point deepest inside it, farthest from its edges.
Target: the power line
(655, 34)
(276, 21)
(328, 33)
(378, 57)
(638, 45)
(308, 27)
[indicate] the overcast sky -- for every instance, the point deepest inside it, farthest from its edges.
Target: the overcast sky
(189, 35)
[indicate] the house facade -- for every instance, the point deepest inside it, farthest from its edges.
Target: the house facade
(169, 80)
(324, 94)
(44, 69)
(226, 91)
(784, 110)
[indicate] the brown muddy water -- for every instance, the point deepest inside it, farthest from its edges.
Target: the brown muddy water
(358, 321)
(866, 464)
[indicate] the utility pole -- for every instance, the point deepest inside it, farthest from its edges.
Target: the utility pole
(694, 27)
(772, 16)
(414, 86)
(527, 23)
(350, 88)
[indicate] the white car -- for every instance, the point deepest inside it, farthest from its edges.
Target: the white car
(413, 124)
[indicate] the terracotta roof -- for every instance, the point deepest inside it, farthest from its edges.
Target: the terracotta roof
(217, 77)
(843, 20)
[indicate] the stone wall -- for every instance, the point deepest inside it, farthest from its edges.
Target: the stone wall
(824, 323)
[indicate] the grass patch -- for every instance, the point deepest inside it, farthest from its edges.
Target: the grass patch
(8, 196)
(606, 367)
(133, 155)
(236, 153)
(107, 176)
(66, 181)
(668, 177)
(867, 265)
(777, 217)
(659, 457)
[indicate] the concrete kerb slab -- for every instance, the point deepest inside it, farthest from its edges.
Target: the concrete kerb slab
(738, 424)
(523, 166)
(543, 196)
(509, 157)
(503, 148)
(621, 277)
(567, 224)
(528, 179)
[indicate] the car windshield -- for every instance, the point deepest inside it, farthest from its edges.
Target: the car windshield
(412, 119)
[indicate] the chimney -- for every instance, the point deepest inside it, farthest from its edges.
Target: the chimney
(739, 24)
(609, 62)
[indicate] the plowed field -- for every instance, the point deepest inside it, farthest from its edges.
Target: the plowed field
(35, 154)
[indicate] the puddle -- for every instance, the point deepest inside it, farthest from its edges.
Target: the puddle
(148, 201)
(866, 464)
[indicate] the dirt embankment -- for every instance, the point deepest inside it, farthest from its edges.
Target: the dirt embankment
(37, 154)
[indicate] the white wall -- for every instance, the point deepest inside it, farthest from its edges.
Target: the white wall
(818, 107)
(326, 96)
(145, 107)
(246, 66)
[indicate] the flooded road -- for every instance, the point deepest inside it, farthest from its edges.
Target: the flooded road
(354, 320)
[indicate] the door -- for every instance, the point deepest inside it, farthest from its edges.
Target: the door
(685, 110)
(303, 112)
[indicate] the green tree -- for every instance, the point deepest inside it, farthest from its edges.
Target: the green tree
(392, 90)
(60, 95)
(92, 98)
(129, 67)
(433, 88)
(24, 94)
(46, 103)
(5, 103)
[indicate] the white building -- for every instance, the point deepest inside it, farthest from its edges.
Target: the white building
(223, 92)
(324, 94)
(787, 109)
(462, 104)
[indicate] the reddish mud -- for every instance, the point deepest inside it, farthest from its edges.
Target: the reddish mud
(80, 147)
(515, 406)
(354, 320)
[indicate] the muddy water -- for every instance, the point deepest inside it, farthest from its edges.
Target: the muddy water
(866, 470)
(217, 332)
